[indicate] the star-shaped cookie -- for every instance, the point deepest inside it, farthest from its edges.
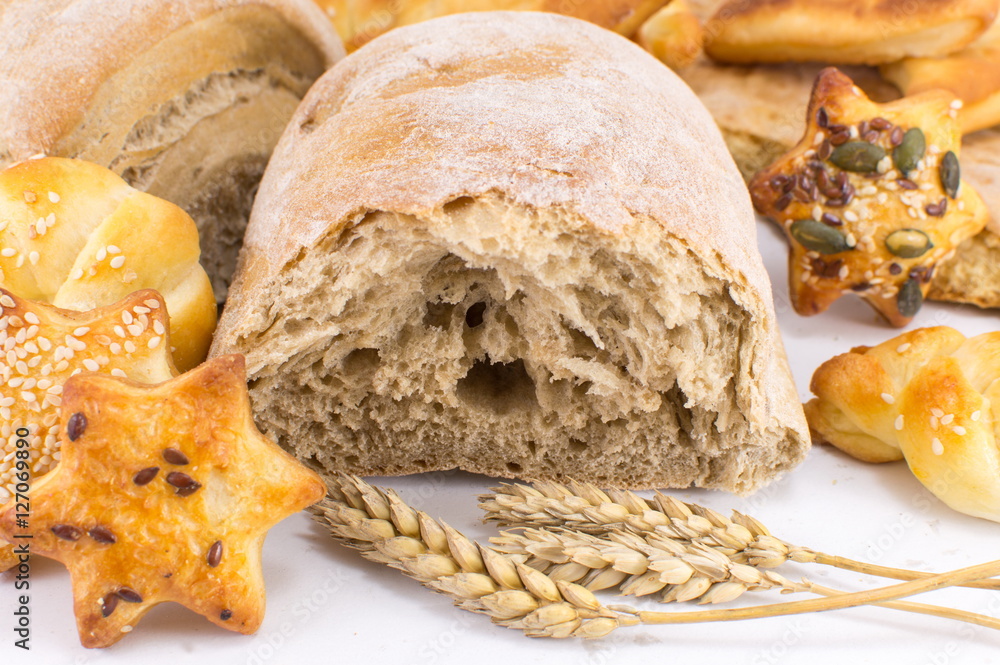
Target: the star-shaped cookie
(164, 493)
(871, 199)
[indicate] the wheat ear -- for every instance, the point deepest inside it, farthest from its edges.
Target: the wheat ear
(671, 570)
(515, 595)
(585, 508)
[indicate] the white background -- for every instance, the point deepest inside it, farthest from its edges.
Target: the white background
(328, 605)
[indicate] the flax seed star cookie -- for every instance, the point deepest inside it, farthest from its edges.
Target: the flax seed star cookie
(42, 346)
(164, 493)
(871, 199)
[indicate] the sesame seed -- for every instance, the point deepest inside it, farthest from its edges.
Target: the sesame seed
(152, 303)
(158, 328)
(938, 413)
(850, 216)
(31, 317)
(887, 398)
(113, 249)
(28, 397)
(53, 197)
(902, 348)
(153, 342)
(976, 415)
(127, 317)
(115, 347)
(91, 365)
(30, 197)
(117, 262)
(129, 347)
(75, 344)
(934, 423)
(102, 254)
(959, 430)
(77, 274)
(956, 104)
(119, 373)
(8, 252)
(119, 331)
(946, 420)
(138, 309)
(936, 447)
(81, 331)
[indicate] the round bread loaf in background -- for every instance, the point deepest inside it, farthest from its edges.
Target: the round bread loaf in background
(183, 99)
(512, 243)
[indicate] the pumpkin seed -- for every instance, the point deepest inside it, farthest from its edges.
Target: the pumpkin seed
(908, 243)
(950, 174)
(819, 237)
(857, 156)
(909, 153)
(909, 299)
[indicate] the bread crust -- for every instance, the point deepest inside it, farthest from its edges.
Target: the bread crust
(519, 111)
(71, 48)
(844, 31)
(133, 86)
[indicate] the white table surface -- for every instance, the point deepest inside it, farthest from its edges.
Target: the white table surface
(328, 605)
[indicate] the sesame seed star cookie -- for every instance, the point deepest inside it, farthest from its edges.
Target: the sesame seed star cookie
(164, 494)
(871, 199)
(42, 346)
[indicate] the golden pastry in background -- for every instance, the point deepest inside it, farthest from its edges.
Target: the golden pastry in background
(77, 236)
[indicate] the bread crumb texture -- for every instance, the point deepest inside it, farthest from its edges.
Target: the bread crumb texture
(522, 251)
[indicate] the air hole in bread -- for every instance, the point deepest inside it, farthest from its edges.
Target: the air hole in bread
(458, 204)
(497, 387)
(577, 446)
(474, 315)
(514, 467)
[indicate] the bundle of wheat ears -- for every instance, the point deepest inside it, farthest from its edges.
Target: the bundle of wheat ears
(572, 540)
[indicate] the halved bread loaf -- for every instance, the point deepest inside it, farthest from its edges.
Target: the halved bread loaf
(512, 243)
(185, 100)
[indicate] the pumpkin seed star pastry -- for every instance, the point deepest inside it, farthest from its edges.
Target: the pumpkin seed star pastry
(871, 198)
(164, 493)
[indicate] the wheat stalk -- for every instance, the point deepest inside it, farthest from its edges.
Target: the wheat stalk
(516, 595)
(675, 571)
(585, 508)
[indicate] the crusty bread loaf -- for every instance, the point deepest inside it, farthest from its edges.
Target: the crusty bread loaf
(865, 32)
(360, 21)
(185, 100)
(521, 250)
